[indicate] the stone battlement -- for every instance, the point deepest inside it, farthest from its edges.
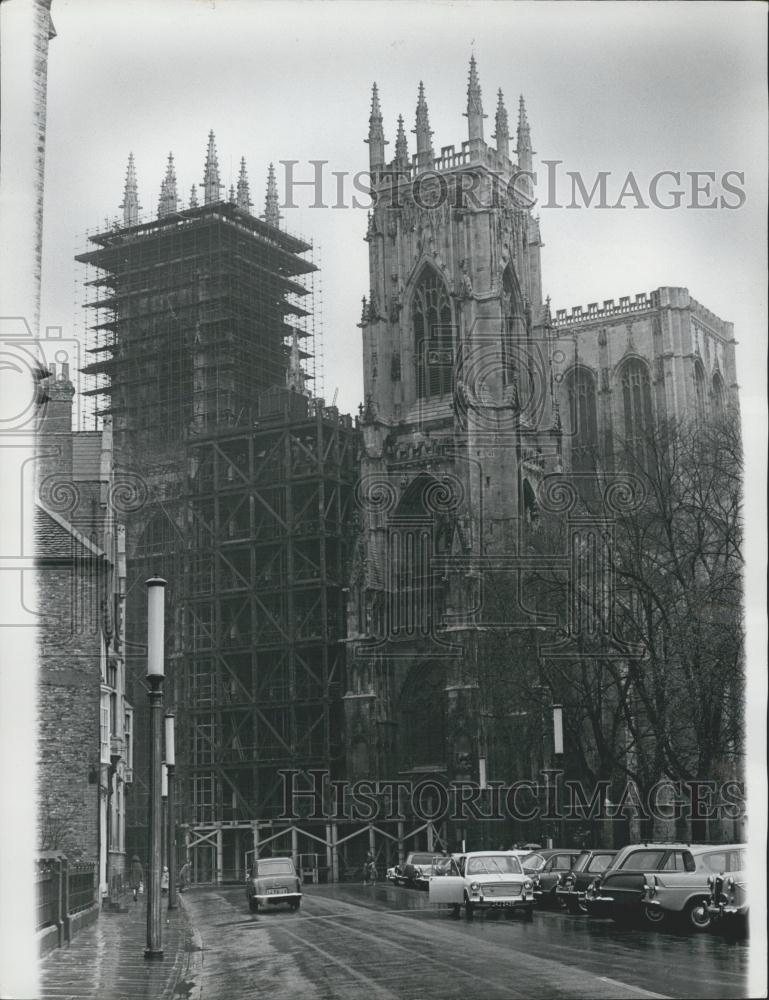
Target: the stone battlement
(626, 305)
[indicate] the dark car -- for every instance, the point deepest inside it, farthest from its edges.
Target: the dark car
(572, 885)
(619, 891)
(417, 869)
(272, 881)
(547, 873)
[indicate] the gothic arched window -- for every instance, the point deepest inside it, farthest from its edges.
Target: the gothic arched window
(718, 393)
(433, 339)
(583, 420)
(637, 400)
(699, 390)
(513, 325)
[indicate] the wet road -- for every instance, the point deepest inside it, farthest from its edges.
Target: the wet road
(384, 943)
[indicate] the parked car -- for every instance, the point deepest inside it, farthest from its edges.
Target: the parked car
(571, 887)
(482, 880)
(728, 898)
(272, 881)
(617, 893)
(547, 875)
(415, 870)
(685, 896)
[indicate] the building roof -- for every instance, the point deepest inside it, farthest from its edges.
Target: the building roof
(55, 538)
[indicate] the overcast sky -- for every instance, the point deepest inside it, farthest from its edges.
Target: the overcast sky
(612, 87)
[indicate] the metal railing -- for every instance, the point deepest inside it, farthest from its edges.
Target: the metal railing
(62, 890)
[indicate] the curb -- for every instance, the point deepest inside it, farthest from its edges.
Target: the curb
(188, 963)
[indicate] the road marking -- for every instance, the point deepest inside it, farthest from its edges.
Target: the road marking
(633, 989)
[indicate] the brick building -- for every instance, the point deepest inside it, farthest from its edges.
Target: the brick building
(85, 721)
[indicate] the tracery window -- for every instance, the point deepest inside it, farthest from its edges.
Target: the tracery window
(637, 400)
(433, 339)
(583, 421)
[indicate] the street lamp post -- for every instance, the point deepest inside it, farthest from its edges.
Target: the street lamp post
(558, 760)
(171, 770)
(155, 672)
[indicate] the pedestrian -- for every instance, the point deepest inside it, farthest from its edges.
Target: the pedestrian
(164, 881)
(184, 876)
(136, 876)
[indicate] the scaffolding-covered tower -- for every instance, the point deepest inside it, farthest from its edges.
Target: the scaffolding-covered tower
(203, 355)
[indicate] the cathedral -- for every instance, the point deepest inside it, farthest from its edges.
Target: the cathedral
(483, 411)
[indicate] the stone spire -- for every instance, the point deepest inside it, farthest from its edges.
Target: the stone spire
(401, 147)
(376, 140)
(130, 204)
(194, 196)
(244, 196)
(502, 134)
(169, 200)
(271, 212)
(423, 132)
(474, 113)
(524, 153)
(232, 199)
(211, 183)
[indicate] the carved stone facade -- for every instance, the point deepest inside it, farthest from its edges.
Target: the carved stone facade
(459, 428)
(477, 402)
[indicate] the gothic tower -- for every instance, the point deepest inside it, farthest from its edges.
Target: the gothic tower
(459, 427)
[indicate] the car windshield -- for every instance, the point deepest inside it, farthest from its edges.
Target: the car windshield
(420, 859)
(533, 861)
(494, 865)
(581, 860)
(276, 866)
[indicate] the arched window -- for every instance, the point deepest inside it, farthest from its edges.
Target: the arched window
(719, 395)
(513, 325)
(433, 339)
(699, 391)
(583, 422)
(637, 400)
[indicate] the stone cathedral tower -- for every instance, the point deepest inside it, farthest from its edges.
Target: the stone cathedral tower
(459, 427)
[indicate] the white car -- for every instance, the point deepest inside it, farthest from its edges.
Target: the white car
(483, 880)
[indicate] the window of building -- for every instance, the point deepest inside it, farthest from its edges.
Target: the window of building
(104, 726)
(513, 326)
(637, 402)
(433, 340)
(719, 395)
(129, 742)
(583, 421)
(699, 390)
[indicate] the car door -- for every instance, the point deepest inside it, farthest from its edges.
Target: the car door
(446, 886)
(554, 867)
(625, 884)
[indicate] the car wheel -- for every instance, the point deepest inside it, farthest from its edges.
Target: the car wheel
(696, 916)
(575, 906)
(296, 905)
(469, 909)
(253, 905)
(654, 916)
(455, 910)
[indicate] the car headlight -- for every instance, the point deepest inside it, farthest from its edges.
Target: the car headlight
(711, 881)
(730, 883)
(474, 887)
(527, 885)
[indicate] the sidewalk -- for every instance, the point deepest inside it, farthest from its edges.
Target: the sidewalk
(106, 960)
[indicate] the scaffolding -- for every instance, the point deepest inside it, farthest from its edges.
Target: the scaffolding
(261, 658)
(195, 318)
